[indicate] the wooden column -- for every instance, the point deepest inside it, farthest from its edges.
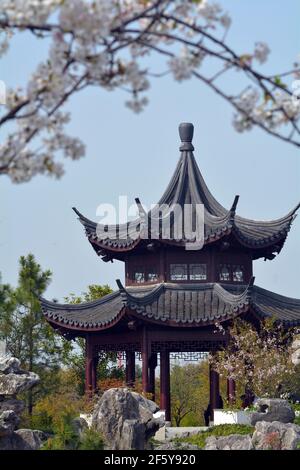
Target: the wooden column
(152, 366)
(145, 360)
(165, 399)
(130, 368)
(94, 373)
(89, 389)
(231, 391)
(214, 391)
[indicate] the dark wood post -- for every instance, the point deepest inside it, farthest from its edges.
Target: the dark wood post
(145, 360)
(130, 368)
(214, 391)
(165, 399)
(231, 391)
(94, 373)
(88, 366)
(152, 366)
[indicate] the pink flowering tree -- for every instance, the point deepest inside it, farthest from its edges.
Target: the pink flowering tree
(109, 44)
(259, 359)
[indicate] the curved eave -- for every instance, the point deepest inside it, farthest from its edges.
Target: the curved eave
(269, 304)
(79, 317)
(173, 305)
(67, 327)
(245, 232)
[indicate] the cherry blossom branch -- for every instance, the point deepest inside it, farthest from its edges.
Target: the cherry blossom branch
(106, 43)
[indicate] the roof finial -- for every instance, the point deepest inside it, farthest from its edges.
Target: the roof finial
(186, 132)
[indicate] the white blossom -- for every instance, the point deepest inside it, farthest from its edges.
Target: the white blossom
(106, 43)
(261, 52)
(182, 65)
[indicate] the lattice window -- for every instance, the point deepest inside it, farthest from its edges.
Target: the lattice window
(238, 273)
(152, 275)
(187, 346)
(139, 275)
(225, 272)
(198, 272)
(117, 347)
(178, 272)
(189, 356)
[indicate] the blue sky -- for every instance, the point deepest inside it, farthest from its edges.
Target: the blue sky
(135, 155)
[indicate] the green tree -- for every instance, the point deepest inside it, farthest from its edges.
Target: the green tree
(189, 392)
(77, 360)
(27, 334)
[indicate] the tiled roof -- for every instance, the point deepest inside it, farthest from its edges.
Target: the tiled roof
(175, 305)
(187, 186)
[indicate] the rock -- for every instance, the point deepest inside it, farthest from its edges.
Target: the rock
(125, 419)
(79, 425)
(175, 445)
(23, 439)
(87, 418)
(8, 422)
(32, 439)
(272, 409)
(14, 380)
(13, 383)
(13, 404)
(232, 442)
(9, 364)
(276, 436)
(295, 357)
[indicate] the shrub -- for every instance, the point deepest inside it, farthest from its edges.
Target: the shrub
(65, 437)
(297, 420)
(91, 440)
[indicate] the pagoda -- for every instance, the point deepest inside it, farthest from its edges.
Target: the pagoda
(176, 292)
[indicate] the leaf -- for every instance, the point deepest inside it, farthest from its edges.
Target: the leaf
(277, 80)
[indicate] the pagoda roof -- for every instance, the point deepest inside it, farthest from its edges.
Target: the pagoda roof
(177, 305)
(187, 186)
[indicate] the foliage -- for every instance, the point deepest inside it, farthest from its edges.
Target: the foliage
(185, 407)
(106, 365)
(91, 440)
(291, 385)
(108, 383)
(65, 436)
(94, 292)
(190, 393)
(108, 43)
(217, 431)
(27, 334)
(297, 420)
(184, 382)
(257, 359)
(53, 411)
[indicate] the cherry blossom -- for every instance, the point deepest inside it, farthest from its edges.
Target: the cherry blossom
(109, 44)
(261, 361)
